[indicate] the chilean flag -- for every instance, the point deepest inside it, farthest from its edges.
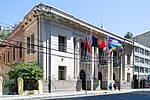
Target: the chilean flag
(88, 43)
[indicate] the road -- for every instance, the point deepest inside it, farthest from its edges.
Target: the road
(125, 96)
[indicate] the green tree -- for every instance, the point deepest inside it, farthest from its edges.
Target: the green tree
(30, 73)
(4, 34)
(128, 35)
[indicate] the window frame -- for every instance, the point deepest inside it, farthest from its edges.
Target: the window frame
(128, 59)
(137, 58)
(146, 52)
(142, 51)
(8, 54)
(28, 45)
(62, 72)
(32, 43)
(20, 50)
(141, 60)
(14, 53)
(62, 43)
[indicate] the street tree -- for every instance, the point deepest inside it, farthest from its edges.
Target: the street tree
(4, 34)
(30, 72)
(128, 35)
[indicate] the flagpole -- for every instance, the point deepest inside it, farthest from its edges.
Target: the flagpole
(88, 55)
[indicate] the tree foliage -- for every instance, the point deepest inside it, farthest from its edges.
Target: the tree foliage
(29, 71)
(128, 35)
(4, 34)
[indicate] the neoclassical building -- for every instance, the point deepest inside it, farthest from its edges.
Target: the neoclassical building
(56, 40)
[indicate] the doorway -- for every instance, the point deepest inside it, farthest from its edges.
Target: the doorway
(83, 78)
(114, 77)
(100, 78)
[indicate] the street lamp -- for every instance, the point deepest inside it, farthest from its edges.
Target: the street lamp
(138, 78)
(87, 63)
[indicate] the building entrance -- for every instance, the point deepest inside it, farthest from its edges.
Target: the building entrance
(114, 77)
(83, 78)
(100, 78)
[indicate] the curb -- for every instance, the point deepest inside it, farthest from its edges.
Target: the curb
(49, 95)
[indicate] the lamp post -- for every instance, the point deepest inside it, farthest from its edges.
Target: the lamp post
(87, 63)
(138, 78)
(86, 78)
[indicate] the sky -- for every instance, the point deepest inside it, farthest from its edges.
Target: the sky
(117, 16)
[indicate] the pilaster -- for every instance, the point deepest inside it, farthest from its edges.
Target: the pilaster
(77, 58)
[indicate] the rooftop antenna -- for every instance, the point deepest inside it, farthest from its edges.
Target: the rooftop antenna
(101, 22)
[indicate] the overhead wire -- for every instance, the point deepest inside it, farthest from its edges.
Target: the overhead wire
(50, 46)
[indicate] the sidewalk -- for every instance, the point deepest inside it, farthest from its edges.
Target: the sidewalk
(65, 94)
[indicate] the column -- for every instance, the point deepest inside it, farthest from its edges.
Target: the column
(111, 67)
(97, 82)
(77, 58)
(20, 86)
(96, 63)
(1, 85)
(107, 74)
(40, 86)
(92, 67)
(120, 75)
(110, 71)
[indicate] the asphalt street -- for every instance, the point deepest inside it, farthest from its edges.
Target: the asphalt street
(125, 96)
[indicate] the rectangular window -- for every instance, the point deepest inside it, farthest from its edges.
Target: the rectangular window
(28, 45)
(149, 70)
(142, 51)
(128, 59)
(146, 61)
(136, 68)
(62, 43)
(128, 77)
(146, 70)
(62, 73)
(4, 57)
(147, 52)
(141, 60)
(137, 49)
(137, 59)
(115, 59)
(8, 56)
(20, 50)
(32, 43)
(14, 53)
(83, 51)
(141, 69)
(102, 58)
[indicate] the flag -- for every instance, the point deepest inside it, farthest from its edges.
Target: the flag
(114, 42)
(94, 41)
(88, 44)
(101, 44)
(120, 51)
(111, 48)
(98, 43)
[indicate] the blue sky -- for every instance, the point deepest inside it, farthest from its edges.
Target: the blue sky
(118, 16)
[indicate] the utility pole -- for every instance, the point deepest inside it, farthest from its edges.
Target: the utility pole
(133, 61)
(120, 79)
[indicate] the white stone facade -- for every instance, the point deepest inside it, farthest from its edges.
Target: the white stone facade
(66, 70)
